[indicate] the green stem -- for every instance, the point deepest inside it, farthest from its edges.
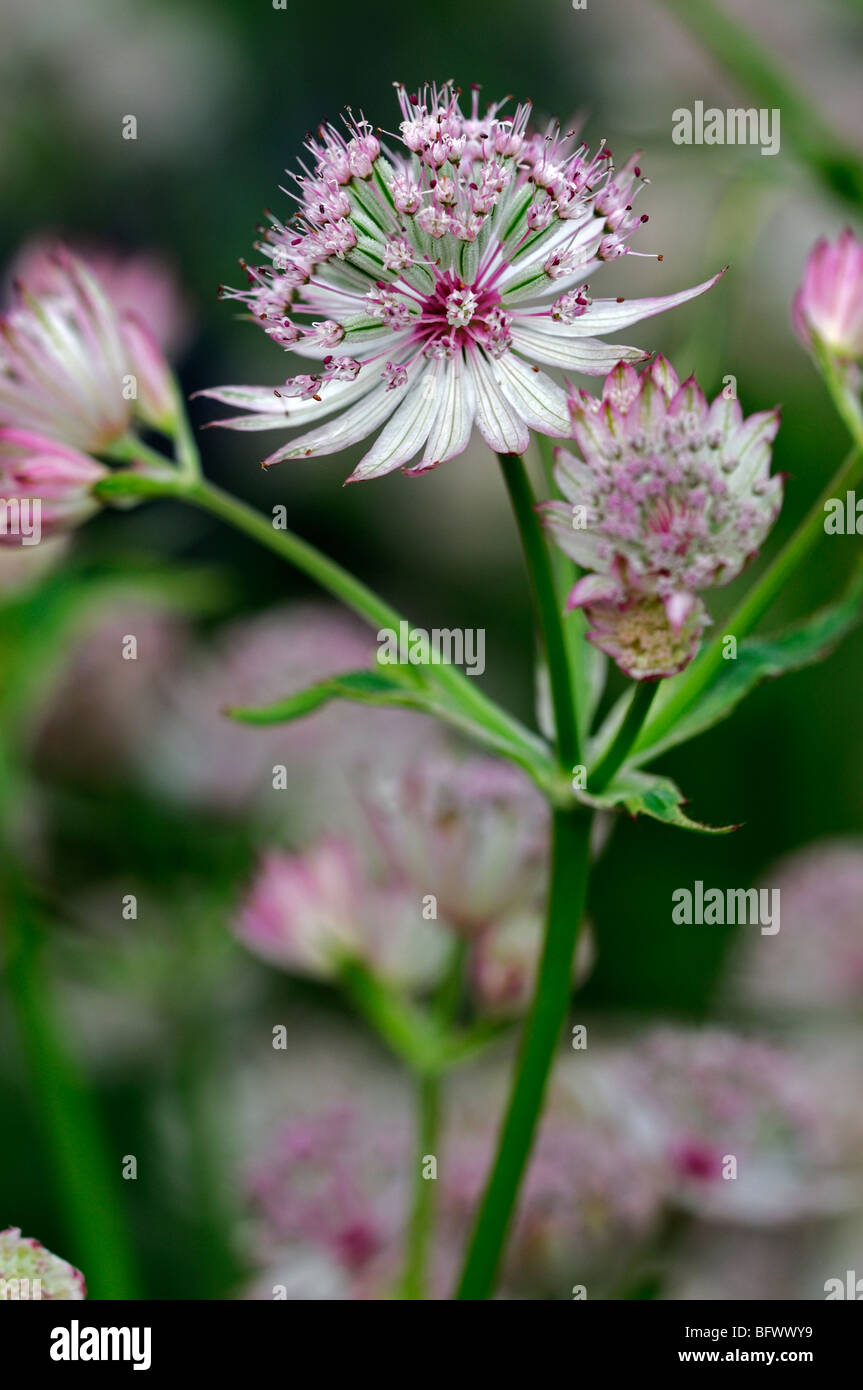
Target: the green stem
(623, 740)
(564, 573)
(420, 1231)
(87, 1180)
(547, 606)
(570, 857)
(688, 687)
(352, 592)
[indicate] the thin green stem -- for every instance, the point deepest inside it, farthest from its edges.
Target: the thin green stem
(570, 856)
(565, 572)
(625, 737)
(352, 592)
(547, 606)
(421, 1227)
(688, 687)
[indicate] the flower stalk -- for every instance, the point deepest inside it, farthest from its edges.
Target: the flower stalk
(569, 871)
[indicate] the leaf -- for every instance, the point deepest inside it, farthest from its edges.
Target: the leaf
(374, 687)
(645, 794)
(761, 659)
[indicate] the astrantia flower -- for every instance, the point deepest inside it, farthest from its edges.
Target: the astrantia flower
(425, 282)
(305, 911)
(505, 957)
(700, 1097)
(75, 369)
(472, 833)
(669, 496)
(829, 302)
(27, 1265)
(136, 283)
(42, 473)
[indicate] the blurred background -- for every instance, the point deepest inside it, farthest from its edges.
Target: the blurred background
(134, 787)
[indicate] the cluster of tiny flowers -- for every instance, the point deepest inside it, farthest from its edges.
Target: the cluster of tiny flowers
(426, 281)
(28, 1270)
(670, 495)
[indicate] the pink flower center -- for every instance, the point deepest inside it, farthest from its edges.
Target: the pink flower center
(456, 316)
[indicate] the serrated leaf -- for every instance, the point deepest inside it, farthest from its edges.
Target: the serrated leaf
(761, 659)
(645, 794)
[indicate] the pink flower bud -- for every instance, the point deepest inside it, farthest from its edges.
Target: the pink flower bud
(829, 302)
(45, 488)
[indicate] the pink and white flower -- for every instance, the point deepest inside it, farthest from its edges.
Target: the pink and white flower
(136, 283)
(305, 912)
(428, 280)
(829, 302)
(669, 495)
(37, 470)
(471, 833)
(74, 369)
(25, 1264)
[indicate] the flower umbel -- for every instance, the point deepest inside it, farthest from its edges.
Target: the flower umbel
(669, 496)
(427, 281)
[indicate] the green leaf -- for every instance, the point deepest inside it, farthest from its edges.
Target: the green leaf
(645, 794)
(761, 659)
(375, 687)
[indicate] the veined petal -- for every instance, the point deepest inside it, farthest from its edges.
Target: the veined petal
(453, 422)
(541, 404)
(498, 422)
(610, 315)
(355, 424)
(588, 355)
(334, 395)
(407, 431)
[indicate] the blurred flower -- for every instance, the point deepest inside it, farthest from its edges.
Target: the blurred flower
(504, 958)
(54, 481)
(669, 496)
(591, 1194)
(816, 961)
(471, 833)
(703, 1099)
(829, 302)
(303, 912)
(334, 1182)
(75, 369)
(22, 1258)
(200, 757)
(429, 280)
(137, 283)
(97, 712)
